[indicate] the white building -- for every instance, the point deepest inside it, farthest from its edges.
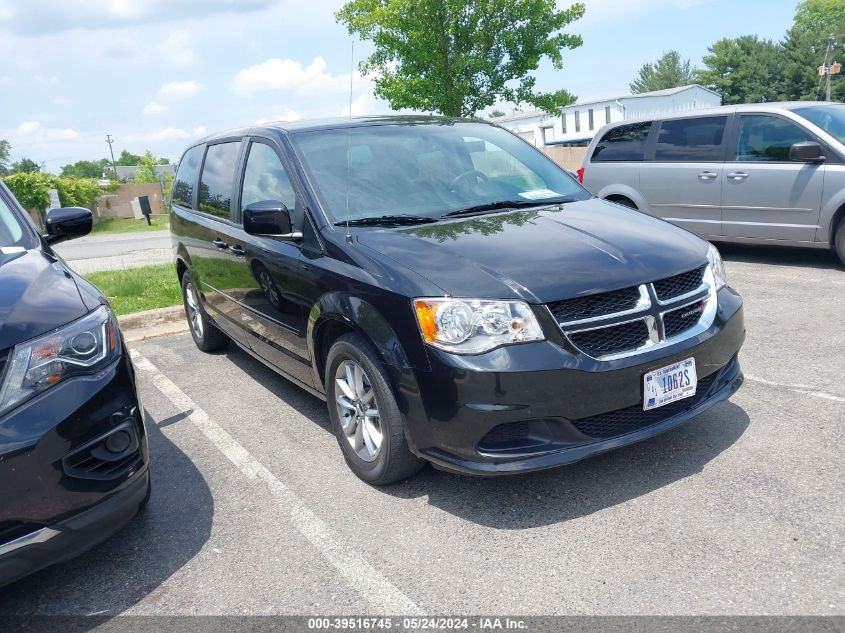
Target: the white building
(580, 121)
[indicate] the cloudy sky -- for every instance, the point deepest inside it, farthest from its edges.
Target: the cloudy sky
(157, 73)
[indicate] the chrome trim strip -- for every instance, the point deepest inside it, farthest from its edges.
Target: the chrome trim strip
(33, 538)
(699, 292)
(643, 304)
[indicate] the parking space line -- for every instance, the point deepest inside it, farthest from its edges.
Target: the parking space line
(803, 389)
(364, 578)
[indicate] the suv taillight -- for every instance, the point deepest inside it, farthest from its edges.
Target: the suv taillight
(580, 173)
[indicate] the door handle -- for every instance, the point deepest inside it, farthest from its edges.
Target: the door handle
(237, 250)
(220, 244)
(707, 175)
(737, 175)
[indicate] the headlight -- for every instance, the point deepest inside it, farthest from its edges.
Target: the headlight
(718, 267)
(81, 347)
(473, 326)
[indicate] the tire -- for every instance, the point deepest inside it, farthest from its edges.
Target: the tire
(146, 500)
(392, 460)
(839, 241)
(206, 335)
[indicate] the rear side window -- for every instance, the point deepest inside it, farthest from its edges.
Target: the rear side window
(691, 140)
(763, 138)
(218, 176)
(186, 177)
(626, 142)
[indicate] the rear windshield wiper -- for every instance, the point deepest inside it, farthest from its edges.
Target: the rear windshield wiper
(387, 219)
(506, 204)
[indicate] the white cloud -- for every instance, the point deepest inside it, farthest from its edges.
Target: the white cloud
(177, 49)
(163, 134)
(154, 107)
(278, 74)
(287, 115)
(69, 134)
(200, 130)
(177, 90)
(55, 16)
(5, 80)
(28, 127)
(363, 104)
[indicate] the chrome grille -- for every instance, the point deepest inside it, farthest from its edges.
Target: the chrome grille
(678, 285)
(595, 305)
(631, 320)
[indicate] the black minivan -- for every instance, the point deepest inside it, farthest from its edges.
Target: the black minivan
(453, 294)
(73, 451)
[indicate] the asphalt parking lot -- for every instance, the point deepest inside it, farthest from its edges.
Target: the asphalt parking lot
(254, 511)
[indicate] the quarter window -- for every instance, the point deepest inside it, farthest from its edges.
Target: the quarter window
(186, 177)
(626, 142)
(691, 140)
(764, 138)
(265, 178)
(218, 175)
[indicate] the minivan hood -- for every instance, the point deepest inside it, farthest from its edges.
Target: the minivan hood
(542, 254)
(36, 296)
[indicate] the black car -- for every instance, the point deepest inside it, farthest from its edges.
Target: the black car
(453, 294)
(73, 452)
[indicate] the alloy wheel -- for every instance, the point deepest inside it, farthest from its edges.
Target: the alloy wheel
(357, 410)
(194, 316)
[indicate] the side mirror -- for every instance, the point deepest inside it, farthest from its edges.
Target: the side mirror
(806, 152)
(68, 223)
(269, 218)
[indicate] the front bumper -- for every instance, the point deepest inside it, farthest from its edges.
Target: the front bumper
(526, 407)
(62, 491)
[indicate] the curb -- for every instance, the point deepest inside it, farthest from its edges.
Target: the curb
(140, 326)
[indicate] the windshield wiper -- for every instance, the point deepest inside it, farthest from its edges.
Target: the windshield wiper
(387, 219)
(499, 205)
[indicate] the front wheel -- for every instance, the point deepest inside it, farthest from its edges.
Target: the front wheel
(364, 414)
(206, 335)
(839, 242)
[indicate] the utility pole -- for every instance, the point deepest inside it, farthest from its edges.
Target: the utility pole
(111, 151)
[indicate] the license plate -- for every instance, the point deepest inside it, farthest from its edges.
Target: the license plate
(668, 384)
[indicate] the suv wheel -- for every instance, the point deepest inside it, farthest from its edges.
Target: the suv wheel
(839, 242)
(364, 414)
(206, 335)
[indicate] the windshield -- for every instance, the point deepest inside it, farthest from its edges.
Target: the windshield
(11, 232)
(829, 118)
(427, 170)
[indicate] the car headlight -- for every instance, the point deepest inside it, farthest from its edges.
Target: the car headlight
(473, 326)
(718, 267)
(81, 347)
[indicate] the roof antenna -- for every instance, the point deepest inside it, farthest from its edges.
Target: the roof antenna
(349, 138)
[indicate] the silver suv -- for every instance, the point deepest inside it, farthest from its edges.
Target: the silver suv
(769, 173)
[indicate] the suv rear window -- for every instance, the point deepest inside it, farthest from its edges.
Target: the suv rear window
(218, 176)
(691, 140)
(626, 142)
(186, 177)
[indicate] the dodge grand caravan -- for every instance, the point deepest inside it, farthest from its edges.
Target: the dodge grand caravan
(452, 294)
(73, 452)
(770, 173)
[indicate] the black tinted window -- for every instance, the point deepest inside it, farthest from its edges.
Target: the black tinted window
(626, 142)
(186, 177)
(767, 138)
(218, 174)
(265, 178)
(691, 140)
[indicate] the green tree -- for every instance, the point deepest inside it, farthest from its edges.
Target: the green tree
(127, 159)
(25, 166)
(32, 189)
(82, 169)
(667, 72)
(805, 48)
(146, 168)
(457, 57)
(5, 148)
(743, 69)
